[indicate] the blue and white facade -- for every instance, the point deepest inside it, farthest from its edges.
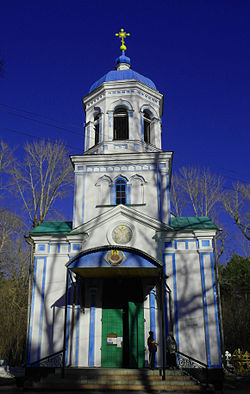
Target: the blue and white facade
(122, 234)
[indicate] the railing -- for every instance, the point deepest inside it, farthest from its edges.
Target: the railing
(195, 368)
(53, 360)
(186, 361)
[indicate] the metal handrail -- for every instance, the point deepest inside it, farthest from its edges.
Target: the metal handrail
(192, 358)
(45, 358)
(188, 370)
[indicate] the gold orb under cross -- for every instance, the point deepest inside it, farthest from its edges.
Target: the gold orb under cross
(122, 34)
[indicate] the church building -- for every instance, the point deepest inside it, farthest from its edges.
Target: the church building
(124, 266)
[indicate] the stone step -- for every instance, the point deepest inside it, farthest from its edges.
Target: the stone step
(114, 379)
(127, 377)
(118, 371)
(106, 381)
(112, 387)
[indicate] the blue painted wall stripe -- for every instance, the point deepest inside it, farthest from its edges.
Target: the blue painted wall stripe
(165, 298)
(92, 332)
(75, 193)
(142, 129)
(128, 195)
(100, 128)
(41, 309)
(216, 309)
(176, 317)
(32, 312)
(159, 196)
(68, 321)
(112, 195)
(152, 314)
(152, 310)
(168, 200)
(77, 324)
(83, 196)
(204, 294)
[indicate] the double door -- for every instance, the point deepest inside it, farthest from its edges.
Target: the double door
(123, 336)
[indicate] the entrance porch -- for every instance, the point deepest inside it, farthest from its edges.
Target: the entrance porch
(110, 310)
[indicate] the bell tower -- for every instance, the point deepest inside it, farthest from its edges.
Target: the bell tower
(123, 111)
(122, 163)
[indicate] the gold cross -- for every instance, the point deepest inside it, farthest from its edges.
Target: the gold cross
(122, 34)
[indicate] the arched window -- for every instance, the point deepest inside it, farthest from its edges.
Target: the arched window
(120, 191)
(97, 128)
(121, 124)
(146, 126)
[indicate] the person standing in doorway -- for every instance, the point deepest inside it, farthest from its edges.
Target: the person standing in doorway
(152, 347)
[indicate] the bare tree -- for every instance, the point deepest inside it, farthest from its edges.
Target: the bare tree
(197, 189)
(43, 176)
(237, 205)
(198, 192)
(6, 159)
(177, 195)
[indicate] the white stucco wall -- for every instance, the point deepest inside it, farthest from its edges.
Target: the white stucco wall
(194, 308)
(95, 182)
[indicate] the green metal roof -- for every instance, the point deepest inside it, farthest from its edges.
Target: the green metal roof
(192, 223)
(178, 223)
(52, 228)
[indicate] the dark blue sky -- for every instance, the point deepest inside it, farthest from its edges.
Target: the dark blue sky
(196, 52)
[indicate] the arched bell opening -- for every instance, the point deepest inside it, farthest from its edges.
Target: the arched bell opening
(147, 120)
(121, 129)
(97, 120)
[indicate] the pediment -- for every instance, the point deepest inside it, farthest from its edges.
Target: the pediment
(122, 227)
(121, 212)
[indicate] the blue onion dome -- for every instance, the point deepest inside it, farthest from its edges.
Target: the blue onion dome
(122, 59)
(122, 72)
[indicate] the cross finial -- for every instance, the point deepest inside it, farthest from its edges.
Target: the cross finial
(122, 34)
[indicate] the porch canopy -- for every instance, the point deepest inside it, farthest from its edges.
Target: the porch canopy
(113, 262)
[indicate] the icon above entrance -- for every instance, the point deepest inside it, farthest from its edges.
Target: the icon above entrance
(114, 262)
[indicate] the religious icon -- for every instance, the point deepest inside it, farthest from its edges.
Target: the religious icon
(122, 234)
(115, 257)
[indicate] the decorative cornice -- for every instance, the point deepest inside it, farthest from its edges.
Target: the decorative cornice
(122, 88)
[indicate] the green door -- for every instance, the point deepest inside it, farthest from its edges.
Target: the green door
(136, 335)
(112, 327)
